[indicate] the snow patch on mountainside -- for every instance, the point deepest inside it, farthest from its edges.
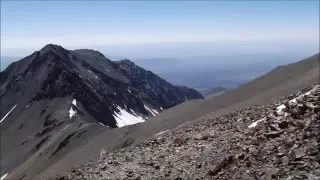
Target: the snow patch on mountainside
(72, 112)
(150, 110)
(74, 102)
(155, 111)
(4, 176)
(124, 118)
(8, 113)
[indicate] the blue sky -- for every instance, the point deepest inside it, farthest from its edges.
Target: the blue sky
(30, 25)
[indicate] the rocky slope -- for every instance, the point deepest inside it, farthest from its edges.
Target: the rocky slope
(275, 141)
(88, 145)
(75, 137)
(56, 96)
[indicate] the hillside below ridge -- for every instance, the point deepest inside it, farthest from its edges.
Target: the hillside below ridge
(276, 141)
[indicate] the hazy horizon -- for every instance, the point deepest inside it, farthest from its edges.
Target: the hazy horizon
(161, 29)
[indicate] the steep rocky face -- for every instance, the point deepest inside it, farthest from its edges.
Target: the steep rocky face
(103, 88)
(276, 141)
(153, 89)
(55, 95)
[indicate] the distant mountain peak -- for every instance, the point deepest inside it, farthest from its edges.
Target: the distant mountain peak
(53, 50)
(50, 47)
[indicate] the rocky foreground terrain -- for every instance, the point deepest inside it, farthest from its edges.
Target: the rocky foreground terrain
(277, 141)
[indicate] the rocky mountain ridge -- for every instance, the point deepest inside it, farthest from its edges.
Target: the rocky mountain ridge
(102, 86)
(56, 96)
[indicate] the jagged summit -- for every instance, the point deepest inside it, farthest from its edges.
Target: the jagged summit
(72, 54)
(53, 47)
(58, 48)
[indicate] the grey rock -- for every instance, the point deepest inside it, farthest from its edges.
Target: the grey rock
(298, 154)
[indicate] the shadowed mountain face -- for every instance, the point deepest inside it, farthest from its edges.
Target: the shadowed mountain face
(54, 94)
(87, 76)
(161, 92)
